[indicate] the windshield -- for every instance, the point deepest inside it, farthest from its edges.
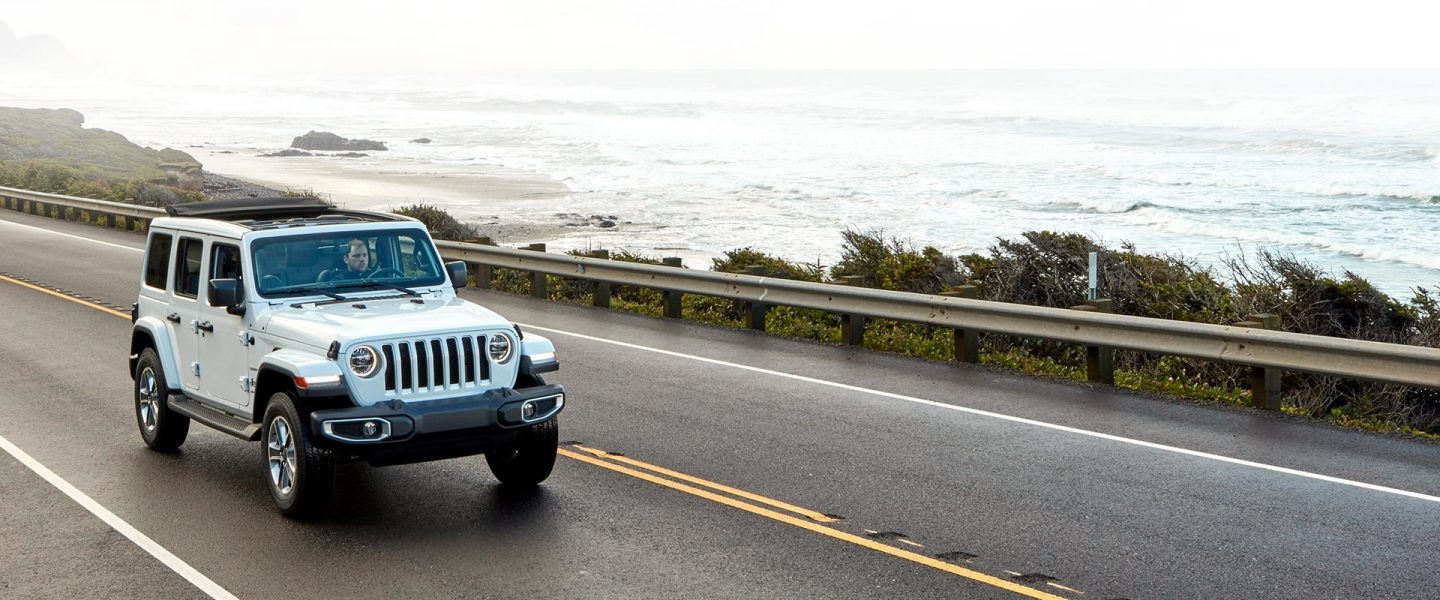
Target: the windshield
(327, 263)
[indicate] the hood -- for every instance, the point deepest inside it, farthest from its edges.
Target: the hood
(380, 319)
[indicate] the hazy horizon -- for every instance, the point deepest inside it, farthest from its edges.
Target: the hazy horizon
(273, 37)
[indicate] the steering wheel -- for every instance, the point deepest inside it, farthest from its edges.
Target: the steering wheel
(270, 282)
(378, 272)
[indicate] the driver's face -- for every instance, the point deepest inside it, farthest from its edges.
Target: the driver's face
(358, 259)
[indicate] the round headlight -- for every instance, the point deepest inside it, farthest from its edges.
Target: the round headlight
(364, 361)
(501, 348)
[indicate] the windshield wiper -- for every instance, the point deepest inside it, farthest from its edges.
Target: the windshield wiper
(310, 290)
(381, 284)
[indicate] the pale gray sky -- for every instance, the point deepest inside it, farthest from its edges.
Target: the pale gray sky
(260, 36)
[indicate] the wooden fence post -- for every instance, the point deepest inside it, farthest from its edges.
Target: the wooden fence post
(755, 311)
(538, 288)
(601, 298)
(1099, 360)
(671, 297)
(1265, 392)
(482, 273)
(852, 326)
(967, 341)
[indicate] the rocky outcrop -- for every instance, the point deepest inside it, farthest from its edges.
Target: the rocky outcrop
(287, 152)
(329, 142)
(421, 141)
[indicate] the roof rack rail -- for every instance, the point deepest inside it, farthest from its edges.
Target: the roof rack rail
(269, 209)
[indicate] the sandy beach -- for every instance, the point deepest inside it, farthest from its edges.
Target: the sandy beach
(511, 208)
(508, 208)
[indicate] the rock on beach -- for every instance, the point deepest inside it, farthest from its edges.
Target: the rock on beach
(329, 142)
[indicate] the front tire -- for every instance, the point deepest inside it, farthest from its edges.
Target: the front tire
(163, 430)
(529, 460)
(299, 475)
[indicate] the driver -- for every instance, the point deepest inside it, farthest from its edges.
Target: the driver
(357, 264)
(357, 261)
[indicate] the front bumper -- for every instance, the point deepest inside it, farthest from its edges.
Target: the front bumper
(395, 431)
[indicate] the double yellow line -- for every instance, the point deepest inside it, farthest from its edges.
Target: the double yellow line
(756, 504)
(812, 520)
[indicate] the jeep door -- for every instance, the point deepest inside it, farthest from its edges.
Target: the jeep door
(184, 314)
(224, 366)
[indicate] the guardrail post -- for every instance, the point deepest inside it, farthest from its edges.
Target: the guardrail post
(671, 297)
(755, 311)
(601, 298)
(1264, 381)
(852, 326)
(1099, 360)
(967, 341)
(482, 273)
(36, 208)
(538, 288)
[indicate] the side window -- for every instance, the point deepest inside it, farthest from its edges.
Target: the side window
(157, 260)
(224, 262)
(187, 267)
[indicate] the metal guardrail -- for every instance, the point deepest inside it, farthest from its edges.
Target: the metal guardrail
(1250, 346)
(1394, 363)
(41, 203)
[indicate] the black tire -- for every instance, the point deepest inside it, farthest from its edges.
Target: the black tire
(530, 459)
(163, 430)
(301, 476)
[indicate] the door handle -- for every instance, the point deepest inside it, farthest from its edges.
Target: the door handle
(173, 317)
(206, 327)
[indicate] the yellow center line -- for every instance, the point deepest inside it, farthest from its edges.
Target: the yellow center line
(817, 528)
(712, 496)
(805, 512)
(70, 298)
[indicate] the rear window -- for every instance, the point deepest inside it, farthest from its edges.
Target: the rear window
(157, 258)
(187, 267)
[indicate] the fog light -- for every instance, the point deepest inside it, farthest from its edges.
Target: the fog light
(527, 411)
(370, 428)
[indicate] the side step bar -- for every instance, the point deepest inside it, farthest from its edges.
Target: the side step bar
(236, 426)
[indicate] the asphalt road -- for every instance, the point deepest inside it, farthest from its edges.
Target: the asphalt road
(1065, 489)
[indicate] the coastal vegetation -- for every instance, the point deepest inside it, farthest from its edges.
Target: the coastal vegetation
(1051, 269)
(49, 150)
(440, 223)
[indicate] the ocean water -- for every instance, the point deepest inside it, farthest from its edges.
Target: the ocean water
(1339, 168)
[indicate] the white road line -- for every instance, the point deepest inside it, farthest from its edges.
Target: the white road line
(973, 411)
(1003, 417)
(180, 567)
(14, 224)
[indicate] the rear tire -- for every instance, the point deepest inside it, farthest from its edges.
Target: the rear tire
(529, 460)
(299, 475)
(163, 430)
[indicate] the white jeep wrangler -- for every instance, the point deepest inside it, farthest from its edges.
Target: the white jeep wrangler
(330, 335)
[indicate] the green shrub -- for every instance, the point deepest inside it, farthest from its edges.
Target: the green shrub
(441, 224)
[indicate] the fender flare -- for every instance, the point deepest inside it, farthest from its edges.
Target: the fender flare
(533, 345)
(160, 337)
(296, 364)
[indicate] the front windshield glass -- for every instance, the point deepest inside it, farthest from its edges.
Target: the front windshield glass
(331, 263)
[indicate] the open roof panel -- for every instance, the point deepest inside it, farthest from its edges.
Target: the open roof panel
(268, 213)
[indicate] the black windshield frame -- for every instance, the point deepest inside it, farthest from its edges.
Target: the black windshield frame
(323, 251)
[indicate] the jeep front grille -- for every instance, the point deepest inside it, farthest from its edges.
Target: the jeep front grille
(431, 364)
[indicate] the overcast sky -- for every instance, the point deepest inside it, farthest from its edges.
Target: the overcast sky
(259, 36)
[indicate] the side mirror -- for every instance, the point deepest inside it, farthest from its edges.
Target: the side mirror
(225, 293)
(459, 273)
